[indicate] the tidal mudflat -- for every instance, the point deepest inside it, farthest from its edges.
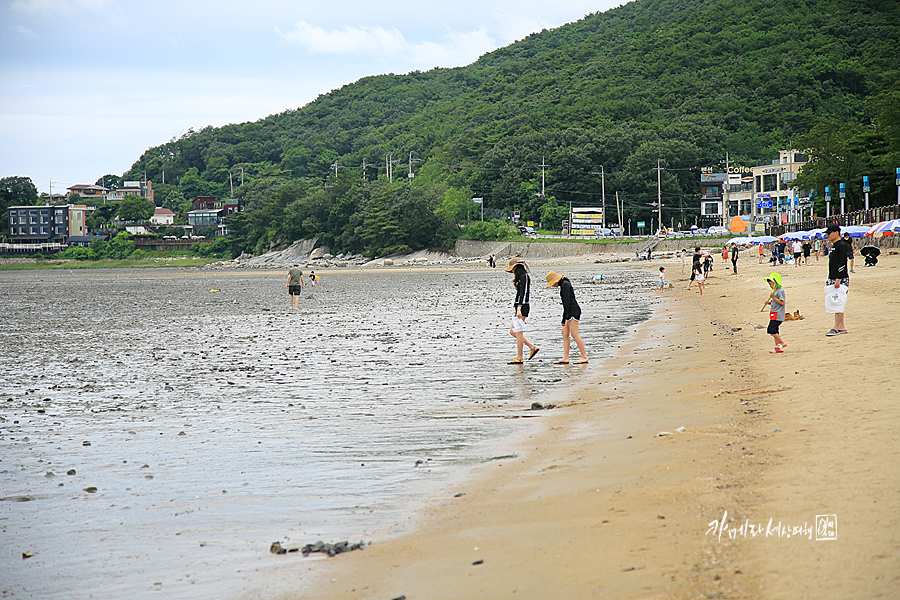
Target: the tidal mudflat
(158, 430)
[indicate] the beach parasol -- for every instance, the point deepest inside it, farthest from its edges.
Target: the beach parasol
(740, 241)
(854, 230)
(884, 228)
(816, 233)
(763, 239)
(796, 235)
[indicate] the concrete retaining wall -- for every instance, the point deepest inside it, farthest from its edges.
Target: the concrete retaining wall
(472, 249)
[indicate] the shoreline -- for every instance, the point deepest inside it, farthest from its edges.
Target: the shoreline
(587, 511)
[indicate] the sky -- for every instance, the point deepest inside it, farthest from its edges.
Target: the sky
(86, 86)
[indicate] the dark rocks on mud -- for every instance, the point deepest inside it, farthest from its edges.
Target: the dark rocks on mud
(329, 549)
(539, 406)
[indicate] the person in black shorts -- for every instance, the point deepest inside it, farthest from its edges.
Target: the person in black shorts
(295, 284)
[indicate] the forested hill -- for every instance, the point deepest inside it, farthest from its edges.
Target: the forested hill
(680, 81)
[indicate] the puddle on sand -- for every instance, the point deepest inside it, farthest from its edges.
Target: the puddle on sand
(213, 423)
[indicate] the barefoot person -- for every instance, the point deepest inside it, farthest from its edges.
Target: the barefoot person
(522, 283)
(775, 304)
(570, 318)
(295, 284)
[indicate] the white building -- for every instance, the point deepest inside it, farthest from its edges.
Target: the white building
(163, 216)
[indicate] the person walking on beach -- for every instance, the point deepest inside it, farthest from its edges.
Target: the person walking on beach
(295, 284)
(522, 283)
(850, 247)
(775, 303)
(683, 256)
(698, 276)
(797, 249)
(807, 250)
(313, 279)
(838, 284)
(695, 262)
(817, 248)
(734, 257)
(662, 278)
(762, 253)
(570, 318)
(724, 253)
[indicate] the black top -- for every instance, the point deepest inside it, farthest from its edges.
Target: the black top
(837, 260)
(571, 310)
(523, 289)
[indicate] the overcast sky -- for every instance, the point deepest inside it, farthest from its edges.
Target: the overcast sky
(86, 86)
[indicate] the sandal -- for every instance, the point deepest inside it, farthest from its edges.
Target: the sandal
(832, 332)
(515, 361)
(533, 352)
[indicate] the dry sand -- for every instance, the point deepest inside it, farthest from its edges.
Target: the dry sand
(599, 506)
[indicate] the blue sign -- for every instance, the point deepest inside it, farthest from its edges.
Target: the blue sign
(843, 190)
(828, 190)
(764, 204)
(866, 183)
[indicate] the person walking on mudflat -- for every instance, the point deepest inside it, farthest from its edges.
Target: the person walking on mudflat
(838, 284)
(295, 284)
(570, 318)
(522, 283)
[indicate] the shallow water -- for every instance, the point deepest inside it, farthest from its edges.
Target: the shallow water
(212, 423)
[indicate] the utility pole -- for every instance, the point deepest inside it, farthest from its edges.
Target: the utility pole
(603, 197)
(658, 193)
(242, 176)
(231, 182)
(543, 166)
(619, 213)
(725, 190)
(364, 170)
(411, 174)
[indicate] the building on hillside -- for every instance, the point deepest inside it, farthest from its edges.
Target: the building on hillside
(46, 224)
(206, 203)
(777, 200)
(132, 188)
(760, 194)
(87, 192)
(163, 216)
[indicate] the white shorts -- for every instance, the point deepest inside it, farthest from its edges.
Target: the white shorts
(835, 298)
(518, 325)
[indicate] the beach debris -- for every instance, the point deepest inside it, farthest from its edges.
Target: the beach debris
(320, 546)
(399, 598)
(85, 443)
(27, 554)
(663, 434)
(539, 406)
(735, 329)
(626, 569)
(478, 562)
(459, 495)
(70, 472)
(680, 429)
(90, 490)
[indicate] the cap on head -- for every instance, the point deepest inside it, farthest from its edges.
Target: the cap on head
(774, 277)
(832, 229)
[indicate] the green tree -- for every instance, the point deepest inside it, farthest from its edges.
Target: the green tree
(552, 214)
(135, 208)
(456, 207)
(16, 191)
(120, 247)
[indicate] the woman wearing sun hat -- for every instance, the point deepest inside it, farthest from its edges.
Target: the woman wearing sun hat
(522, 282)
(571, 315)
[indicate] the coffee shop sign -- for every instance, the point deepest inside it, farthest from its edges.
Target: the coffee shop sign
(731, 170)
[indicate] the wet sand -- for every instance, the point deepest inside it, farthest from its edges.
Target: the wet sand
(802, 446)
(202, 420)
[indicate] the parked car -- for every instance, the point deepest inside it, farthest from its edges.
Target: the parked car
(717, 230)
(527, 231)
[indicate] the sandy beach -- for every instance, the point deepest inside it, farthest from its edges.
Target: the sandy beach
(693, 464)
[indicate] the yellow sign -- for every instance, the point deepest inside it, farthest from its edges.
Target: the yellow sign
(531, 223)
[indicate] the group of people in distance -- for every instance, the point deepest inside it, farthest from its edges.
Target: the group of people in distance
(521, 305)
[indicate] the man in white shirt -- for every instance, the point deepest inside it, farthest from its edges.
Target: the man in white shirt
(797, 249)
